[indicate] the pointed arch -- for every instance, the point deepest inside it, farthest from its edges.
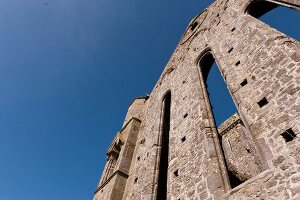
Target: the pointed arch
(162, 185)
(268, 12)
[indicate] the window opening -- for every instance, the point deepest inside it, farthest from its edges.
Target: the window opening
(279, 17)
(164, 150)
(288, 135)
(183, 139)
(237, 63)
(176, 173)
(244, 82)
(263, 102)
(219, 96)
(222, 105)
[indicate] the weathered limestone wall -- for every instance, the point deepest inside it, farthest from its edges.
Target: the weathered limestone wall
(245, 49)
(238, 152)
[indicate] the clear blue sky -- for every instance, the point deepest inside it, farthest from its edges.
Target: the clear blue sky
(68, 70)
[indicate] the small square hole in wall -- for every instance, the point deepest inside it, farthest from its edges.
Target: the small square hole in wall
(183, 139)
(135, 180)
(142, 141)
(237, 63)
(288, 135)
(233, 29)
(138, 158)
(244, 82)
(263, 102)
(184, 116)
(176, 173)
(230, 50)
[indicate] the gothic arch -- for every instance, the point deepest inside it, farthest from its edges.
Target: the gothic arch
(232, 173)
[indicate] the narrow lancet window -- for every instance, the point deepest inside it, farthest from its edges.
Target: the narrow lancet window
(164, 149)
(219, 96)
(230, 125)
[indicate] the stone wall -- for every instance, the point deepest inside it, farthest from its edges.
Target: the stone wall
(119, 155)
(246, 51)
(239, 153)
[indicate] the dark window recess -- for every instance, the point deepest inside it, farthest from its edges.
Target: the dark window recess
(194, 25)
(237, 63)
(183, 139)
(276, 16)
(233, 29)
(263, 102)
(183, 82)
(135, 180)
(164, 150)
(138, 158)
(184, 116)
(288, 135)
(176, 173)
(230, 50)
(244, 82)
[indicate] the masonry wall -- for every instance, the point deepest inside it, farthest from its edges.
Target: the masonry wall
(270, 61)
(119, 154)
(239, 153)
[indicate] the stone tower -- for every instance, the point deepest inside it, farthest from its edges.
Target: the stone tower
(169, 146)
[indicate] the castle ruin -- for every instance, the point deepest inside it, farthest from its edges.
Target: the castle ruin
(169, 146)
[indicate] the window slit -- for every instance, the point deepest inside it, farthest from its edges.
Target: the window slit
(164, 150)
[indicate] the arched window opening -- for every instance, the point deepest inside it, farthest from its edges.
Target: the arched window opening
(240, 160)
(279, 17)
(219, 96)
(259, 8)
(164, 148)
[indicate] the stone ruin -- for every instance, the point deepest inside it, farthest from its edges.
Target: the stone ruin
(169, 146)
